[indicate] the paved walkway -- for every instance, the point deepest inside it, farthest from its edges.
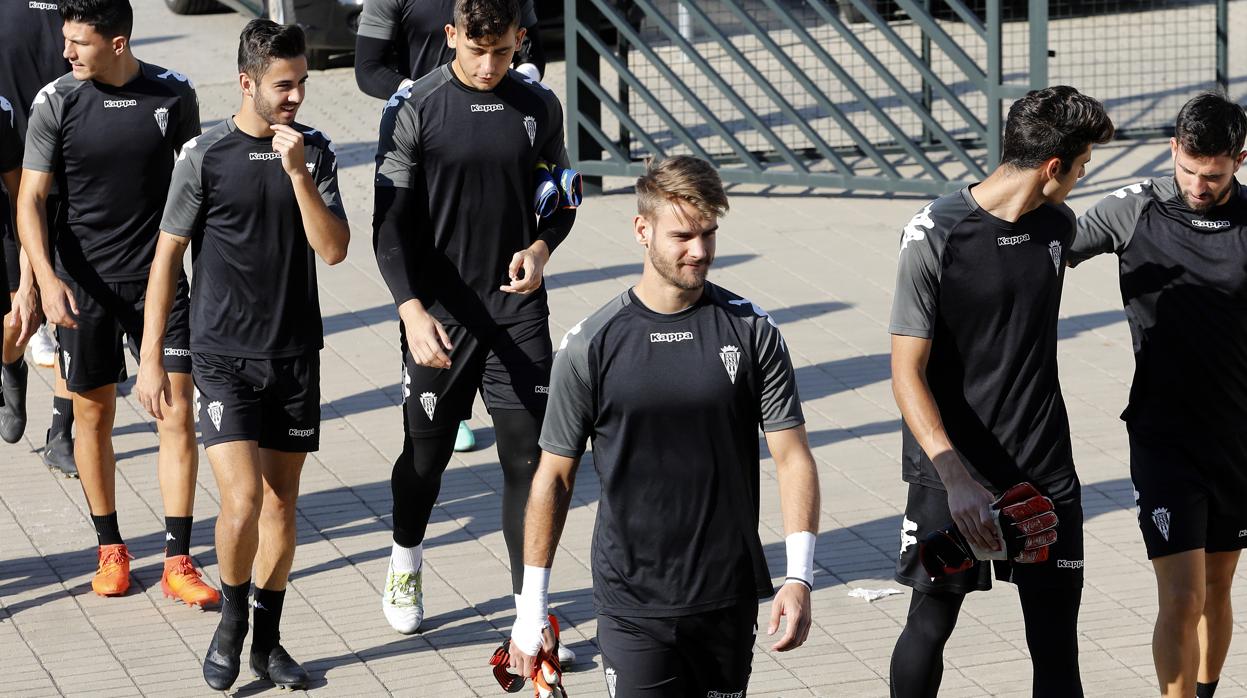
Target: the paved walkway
(822, 264)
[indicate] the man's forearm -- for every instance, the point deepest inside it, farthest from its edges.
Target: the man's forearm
(548, 502)
(920, 412)
(161, 287)
(32, 231)
(554, 229)
(397, 252)
(326, 233)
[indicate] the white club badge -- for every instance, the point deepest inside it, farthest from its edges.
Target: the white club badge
(530, 125)
(730, 356)
(429, 402)
(1161, 518)
(162, 119)
(215, 410)
(1054, 251)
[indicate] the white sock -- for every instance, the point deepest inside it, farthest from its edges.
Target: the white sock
(406, 559)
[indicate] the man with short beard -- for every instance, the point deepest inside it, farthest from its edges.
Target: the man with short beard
(671, 381)
(108, 133)
(1181, 242)
(463, 254)
(258, 194)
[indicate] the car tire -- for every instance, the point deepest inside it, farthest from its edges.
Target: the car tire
(194, 7)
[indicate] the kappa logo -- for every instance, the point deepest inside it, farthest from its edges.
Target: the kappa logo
(42, 96)
(162, 119)
(730, 356)
(485, 108)
(311, 167)
(1161, 518)
(917, 227)
(1069, 564)
(6, 105)
(536, 83)
(215, 410)
(406, 383)
(301, 432)
(664, 337)
(530, 126)
(757, 310)
(573, 331)
(1054, 251)
(188, 145)
(611, 680)
(263, 156)
(1242, 533)
(725, 694)
(1136, 188)
(169, 537)
(1012, 240)
(120, 103)
(908, 528)
(173, 351)
(429, 402)
(175, 75)
(541, 389)
(36, 5)
(397, 98)
(1210, 225)
(65, 357)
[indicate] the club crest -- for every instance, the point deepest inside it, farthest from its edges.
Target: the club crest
(162, 119)
(1161, 518)
(1054, 251)
(730, 356)
(215, 410)
(429, 402)
(530, 125)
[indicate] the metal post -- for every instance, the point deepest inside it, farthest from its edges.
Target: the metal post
(582, 105)
(992, 88)
(1038, 24)
(927, 96)
(1223, 49)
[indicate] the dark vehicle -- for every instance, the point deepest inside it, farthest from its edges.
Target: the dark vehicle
(329, 24)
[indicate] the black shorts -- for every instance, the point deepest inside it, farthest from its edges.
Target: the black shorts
(707, 654)
(275, 402)
(927, 512)
(1189, 494)
(508, 364)
(93, 356)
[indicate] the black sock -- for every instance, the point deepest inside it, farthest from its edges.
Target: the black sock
(178, 535)
(62, 416)
(267, 619)
(106, 530)
(13, 372)
(234, 602)
(1205, 690)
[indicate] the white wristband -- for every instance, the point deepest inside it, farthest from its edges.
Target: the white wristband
(532, 610)
(800, 548)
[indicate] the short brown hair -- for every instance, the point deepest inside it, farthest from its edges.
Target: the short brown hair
(486, 19)
(682, 178)
(263, 41)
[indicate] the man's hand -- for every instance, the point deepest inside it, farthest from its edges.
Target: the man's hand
(971, 507)
(529, 637)
(426, 338)
(792, 602)
(289, 143)
(27, 313)
(59, 305)
(153, 387)
(532, 262)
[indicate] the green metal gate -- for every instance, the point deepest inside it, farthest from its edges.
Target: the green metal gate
(881, 95)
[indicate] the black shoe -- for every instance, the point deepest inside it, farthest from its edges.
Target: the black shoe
(13, 413)
(277, 666)
(224, 658)
(59, 454)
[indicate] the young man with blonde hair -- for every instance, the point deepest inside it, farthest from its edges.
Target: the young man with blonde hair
(672, 380)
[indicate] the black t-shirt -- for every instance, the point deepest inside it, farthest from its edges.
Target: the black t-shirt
(472, 156)
(987, 293)
(673, 404)
(31, 46)
(1184, 285)
(417, 29)
(254, 294)
(111, 150)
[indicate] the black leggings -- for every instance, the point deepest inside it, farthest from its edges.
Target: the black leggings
(1051, 617)
(417, 478)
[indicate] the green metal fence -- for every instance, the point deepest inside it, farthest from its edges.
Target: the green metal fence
(883, 95)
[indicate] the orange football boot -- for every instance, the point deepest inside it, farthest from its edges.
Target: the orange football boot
(182, 581)
(113, 576)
